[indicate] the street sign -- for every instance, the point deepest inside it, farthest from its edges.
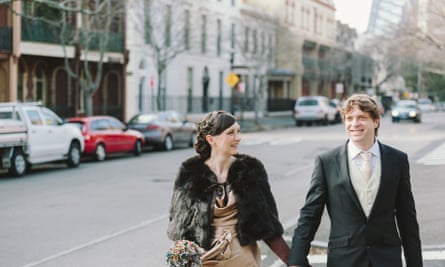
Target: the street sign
(232, 79)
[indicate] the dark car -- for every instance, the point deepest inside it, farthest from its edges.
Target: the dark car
(105, 135)
(164, 130)
(406, 110)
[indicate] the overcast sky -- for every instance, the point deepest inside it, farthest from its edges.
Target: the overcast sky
(353, 12)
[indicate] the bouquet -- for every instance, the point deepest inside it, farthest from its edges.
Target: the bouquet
(184, 253)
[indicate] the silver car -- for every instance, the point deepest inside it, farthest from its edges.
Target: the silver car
(164, 130)
(313, 109)
(406, 110)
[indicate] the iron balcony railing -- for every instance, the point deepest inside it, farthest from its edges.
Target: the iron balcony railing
(5, 39)
(39, 31)
(92, 40)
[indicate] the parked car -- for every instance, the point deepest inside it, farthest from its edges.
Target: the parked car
(164, 130)
(335, 104)
(313, 109)
(32, 134)
(426, 105)
(106, 135)
(406, 110)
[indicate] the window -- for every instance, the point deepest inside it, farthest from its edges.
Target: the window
(232, 36)
(100, 125)
(168, 25)
(34, 117)
(187, 30)
(50, 118)
(221, 86)
(246, 39)
(203, 34)
(255, 41)
(115, 124)
(218, 38)
(147, 24)
(263, 42)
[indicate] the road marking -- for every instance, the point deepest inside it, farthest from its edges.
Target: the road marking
(430, 252)
(97, 241)
(427, 256)
(435, 157)
(271, 141)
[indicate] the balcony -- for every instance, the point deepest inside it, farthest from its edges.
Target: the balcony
(5, 39)
(91, 40)
(39, 31)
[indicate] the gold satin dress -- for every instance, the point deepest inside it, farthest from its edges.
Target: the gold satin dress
(226, 250)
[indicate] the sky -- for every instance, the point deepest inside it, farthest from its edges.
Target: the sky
(353, 12)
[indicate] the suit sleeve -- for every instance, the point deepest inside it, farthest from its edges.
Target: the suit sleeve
(407, 218)
(310, 216)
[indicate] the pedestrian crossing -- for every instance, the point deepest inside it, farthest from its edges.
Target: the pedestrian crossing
(435, 157)
(273, 140)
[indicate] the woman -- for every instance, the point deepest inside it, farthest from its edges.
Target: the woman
(222, 200)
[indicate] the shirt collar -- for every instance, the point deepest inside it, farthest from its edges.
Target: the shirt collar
(354, 151)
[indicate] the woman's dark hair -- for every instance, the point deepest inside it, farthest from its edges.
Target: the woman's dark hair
(213, 123)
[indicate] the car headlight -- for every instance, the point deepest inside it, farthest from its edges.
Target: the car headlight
(395, 113)
(412, 113)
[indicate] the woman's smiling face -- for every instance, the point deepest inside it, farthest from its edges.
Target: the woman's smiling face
(227, 142)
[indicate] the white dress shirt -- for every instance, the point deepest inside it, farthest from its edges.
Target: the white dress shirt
(366, 191)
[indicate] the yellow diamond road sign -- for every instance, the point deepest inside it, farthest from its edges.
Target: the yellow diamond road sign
(232, 79)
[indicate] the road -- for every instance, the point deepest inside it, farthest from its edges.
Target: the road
(114, 213)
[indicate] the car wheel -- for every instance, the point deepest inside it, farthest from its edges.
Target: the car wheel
(298, 123)
(325, 120)
(18, 164)
(192, 139)
(168, 143)
(100, 153)
(137, 150)
(73, 155)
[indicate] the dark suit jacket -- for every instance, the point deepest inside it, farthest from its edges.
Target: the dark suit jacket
(355, 240)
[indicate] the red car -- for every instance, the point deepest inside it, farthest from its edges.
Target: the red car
(105, 135)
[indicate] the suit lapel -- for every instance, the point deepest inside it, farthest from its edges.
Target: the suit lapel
(385, 161)
(342, 163)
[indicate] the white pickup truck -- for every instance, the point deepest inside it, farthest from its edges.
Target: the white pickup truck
(32, 134)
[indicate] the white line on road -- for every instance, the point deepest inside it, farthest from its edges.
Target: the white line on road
(98, 240)
(435, 157)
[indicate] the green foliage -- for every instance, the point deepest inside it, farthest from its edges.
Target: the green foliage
(435, 84)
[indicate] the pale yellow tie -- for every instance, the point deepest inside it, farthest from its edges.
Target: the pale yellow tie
(366, 165)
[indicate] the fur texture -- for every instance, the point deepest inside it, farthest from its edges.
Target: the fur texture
(191, 207)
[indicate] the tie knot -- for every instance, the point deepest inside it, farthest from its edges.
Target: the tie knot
(366, 155)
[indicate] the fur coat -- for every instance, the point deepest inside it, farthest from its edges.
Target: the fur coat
(191, 211)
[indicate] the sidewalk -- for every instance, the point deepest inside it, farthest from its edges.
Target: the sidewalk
(268, 121)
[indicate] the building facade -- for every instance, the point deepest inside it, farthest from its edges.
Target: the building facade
(39, 64)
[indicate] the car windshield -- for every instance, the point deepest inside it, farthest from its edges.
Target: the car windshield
(406, 105)
(308, 102)
(144, 118)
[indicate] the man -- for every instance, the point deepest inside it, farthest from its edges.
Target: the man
(369, 200)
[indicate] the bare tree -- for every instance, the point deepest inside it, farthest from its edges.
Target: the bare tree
(166, 28)
(257, 49)
(99, 19)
